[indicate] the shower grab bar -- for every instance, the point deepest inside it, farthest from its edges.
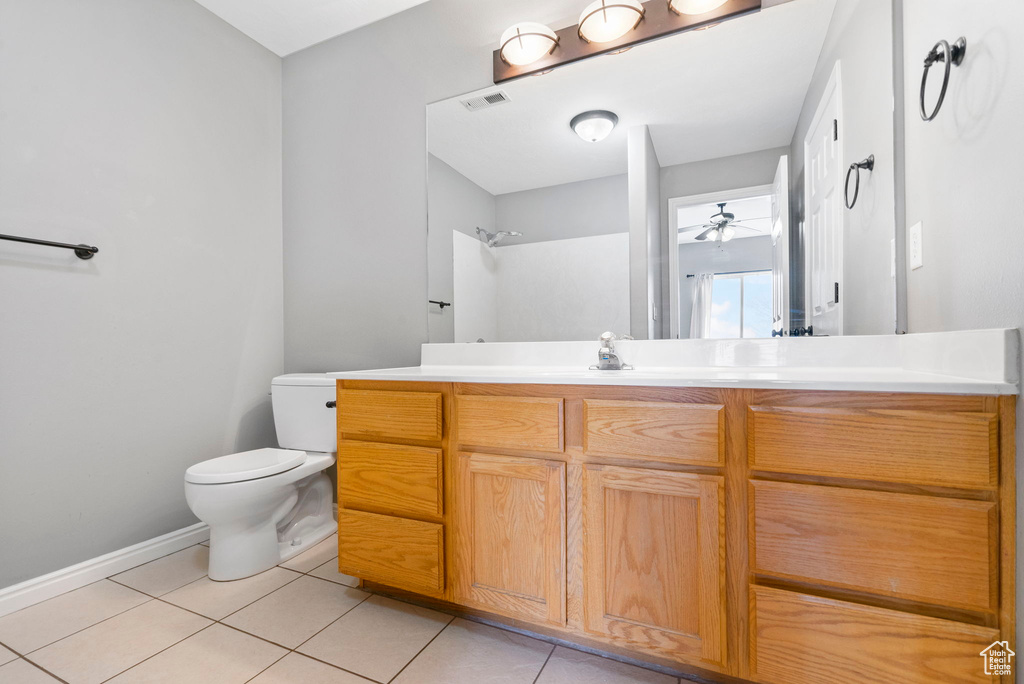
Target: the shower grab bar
(81, 251)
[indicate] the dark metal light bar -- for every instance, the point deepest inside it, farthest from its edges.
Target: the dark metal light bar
(659, 21)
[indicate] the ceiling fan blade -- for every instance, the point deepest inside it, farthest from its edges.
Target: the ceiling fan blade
(694, 226)
(706, 233)
(750, 228)
(757, 218)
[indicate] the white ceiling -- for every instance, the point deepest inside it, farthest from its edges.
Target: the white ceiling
(754, 213)
(735, 88)
(285, 26)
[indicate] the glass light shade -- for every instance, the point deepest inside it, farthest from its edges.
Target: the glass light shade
(606, 20)
(594, 126)
(727, 233)
(527, 42)
(694, 6)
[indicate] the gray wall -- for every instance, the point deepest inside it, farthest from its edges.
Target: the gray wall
(748, 254)
(355, 190)
(454, 203)
(964, 179)
(860, 37)
(153, 130)
(592, 207)
(646, 241)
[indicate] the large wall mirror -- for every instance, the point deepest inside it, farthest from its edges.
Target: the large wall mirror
(716, 206)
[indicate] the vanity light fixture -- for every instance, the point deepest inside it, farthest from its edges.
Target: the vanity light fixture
(527, 42)
(606, 27)
(606, 20)
(694, 6)
(595, 125)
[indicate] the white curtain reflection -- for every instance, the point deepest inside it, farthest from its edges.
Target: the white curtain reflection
(700, 318)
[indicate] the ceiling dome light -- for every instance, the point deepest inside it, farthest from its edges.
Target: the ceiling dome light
(694, 6)
(527, 42)
(606, 20)
(594, 126)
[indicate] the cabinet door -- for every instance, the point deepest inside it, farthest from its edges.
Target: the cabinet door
(653, 550)
(510, 543)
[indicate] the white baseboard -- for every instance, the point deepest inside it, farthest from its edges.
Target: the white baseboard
(59, 582)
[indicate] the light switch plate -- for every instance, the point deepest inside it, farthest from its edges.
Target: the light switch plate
(916, 246)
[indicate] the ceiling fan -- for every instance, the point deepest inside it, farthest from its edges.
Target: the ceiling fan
(721, 227)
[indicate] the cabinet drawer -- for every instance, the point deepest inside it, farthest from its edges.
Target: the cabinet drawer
(680, 433)
(406, 554)
(524, 423)
(396, 415)
(921, 548)
(390, 478)
(916, 447)
(801, 639)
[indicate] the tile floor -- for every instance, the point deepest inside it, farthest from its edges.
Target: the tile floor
(166, 622)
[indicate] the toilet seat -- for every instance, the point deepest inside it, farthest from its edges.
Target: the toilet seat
(246, 465)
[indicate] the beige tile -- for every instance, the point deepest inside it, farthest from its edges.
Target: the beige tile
(329, 571)
(166, 574)
(298, 669)
(314, 557)
(22, 672)
(377, 638)
(6, 656)
(217, 600)
(468, 653)
(567, 666)
(36, 626)
(216, 655)
(296, 611)
(110, 647)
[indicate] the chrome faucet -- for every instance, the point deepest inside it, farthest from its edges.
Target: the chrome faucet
(607, 359)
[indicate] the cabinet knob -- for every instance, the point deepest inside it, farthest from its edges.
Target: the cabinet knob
(332, 404)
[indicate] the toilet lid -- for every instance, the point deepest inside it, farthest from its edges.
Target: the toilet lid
(247, 465)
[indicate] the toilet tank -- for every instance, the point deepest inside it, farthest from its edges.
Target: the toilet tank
(301, 415)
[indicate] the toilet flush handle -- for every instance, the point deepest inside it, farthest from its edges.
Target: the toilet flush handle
(332, 404)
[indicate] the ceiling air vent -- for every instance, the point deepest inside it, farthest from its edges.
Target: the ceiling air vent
(489, 100)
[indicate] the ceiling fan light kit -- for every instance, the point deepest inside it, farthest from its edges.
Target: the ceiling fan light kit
(721, 227)
(606, 26)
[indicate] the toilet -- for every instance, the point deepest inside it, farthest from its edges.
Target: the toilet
(267, 505)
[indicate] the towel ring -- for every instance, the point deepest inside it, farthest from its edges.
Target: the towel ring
(950, 56)
(868, 164)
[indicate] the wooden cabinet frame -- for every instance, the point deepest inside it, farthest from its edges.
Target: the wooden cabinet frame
(526, 549)
(622, 576)
(738, 462)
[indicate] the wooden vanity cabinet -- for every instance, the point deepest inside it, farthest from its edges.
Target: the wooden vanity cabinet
(510, 536)
(778, 537)
(653, 560)
(391, 443)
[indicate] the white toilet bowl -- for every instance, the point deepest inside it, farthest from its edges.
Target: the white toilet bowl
(267, 505)
(263, 507)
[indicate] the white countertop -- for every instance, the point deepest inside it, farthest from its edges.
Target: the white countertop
(971, 362)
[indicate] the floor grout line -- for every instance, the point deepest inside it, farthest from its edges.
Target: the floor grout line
(451, 619)
(287, 653)
(40, 667)
(159, 652)
(541, 670)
